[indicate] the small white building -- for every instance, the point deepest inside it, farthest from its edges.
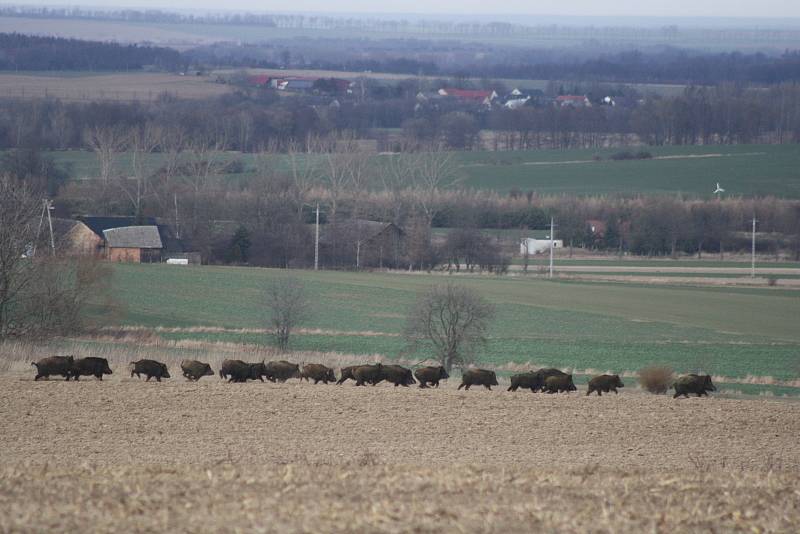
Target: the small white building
(532, 246)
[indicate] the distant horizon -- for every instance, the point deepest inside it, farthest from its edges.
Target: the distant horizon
(774, 11)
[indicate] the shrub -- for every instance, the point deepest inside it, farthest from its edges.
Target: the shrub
(656, 379)
(644, 154)
(622, 156)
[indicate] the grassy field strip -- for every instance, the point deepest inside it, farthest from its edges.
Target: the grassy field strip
(379, 301)
(742, 271)
(623, 264)
(736, 332)
(672, 169)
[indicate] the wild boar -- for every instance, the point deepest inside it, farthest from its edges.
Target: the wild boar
(431, 375)
(531, 380)
(398, 375)
(368, 373)
(240, 371)
(90, 366)
(557, 384)
(149, 368)
(282, 370)
(54, 365)
(346, 373)
(478, 377)
(194, 370)
(604, 383)
(546, 373)
(698, 384)
(318, 373)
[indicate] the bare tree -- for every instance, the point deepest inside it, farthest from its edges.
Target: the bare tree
(451, 320)
(304, 171)
(106, 142)
(142, 142)
(39, 295)
(288, 306)
(19, 217)
(434, 169)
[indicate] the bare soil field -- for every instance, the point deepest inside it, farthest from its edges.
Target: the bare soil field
(115, 87)
(125, 455)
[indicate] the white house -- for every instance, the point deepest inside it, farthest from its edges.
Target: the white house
(531, 246)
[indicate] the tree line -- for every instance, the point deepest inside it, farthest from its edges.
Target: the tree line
(251, 120)
(20, 52)
(266, 217)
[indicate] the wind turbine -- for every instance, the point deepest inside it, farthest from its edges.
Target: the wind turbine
(718, 190)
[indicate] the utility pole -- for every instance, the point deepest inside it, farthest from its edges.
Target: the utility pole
(552, 246)
(177, 226)
(316, 242)
(48, 206)
(753, 252)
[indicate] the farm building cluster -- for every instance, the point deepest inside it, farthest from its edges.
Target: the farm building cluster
(488, 98)
(119, 239)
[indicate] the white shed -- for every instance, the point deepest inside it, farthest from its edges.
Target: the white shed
(532, 246)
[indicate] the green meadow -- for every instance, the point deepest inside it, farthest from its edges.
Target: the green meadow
(743, 170)
(734, 332)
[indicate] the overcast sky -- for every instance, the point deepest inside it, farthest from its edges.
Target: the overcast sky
(671, 8)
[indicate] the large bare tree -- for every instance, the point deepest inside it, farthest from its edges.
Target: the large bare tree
(450, 320)
(106, 142)
(288, 306)
(19, 218)
(39, 295)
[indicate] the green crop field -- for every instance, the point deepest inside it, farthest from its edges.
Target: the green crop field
(743, 170)
(616, 327)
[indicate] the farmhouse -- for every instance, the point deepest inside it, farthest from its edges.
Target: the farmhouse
(575, 101)
(466, 95)
(136, 244)
(531, 245)
(74, 238)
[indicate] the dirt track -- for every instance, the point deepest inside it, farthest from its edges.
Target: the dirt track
(180, 456)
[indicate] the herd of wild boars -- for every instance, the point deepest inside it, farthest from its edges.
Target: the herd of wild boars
(547, 380)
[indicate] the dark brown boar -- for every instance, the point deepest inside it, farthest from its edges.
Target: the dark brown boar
(398, 375)
(478, 377)
(194, 370)
(90, 366)
(346, 373)
(557, 384)
(318, 373)
(697, 384)
(531, 380)
(239, 371)
(368, 374)
(54, 365)
(149, 368)
(603, 384)
(281, 371)
(431, 375)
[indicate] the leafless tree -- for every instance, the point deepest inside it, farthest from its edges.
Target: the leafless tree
(452, 321)
(433, 170)
(288, 306)
(19, 217)
(41, 295)
(106, 142)
(304, 171)
(142, 142)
